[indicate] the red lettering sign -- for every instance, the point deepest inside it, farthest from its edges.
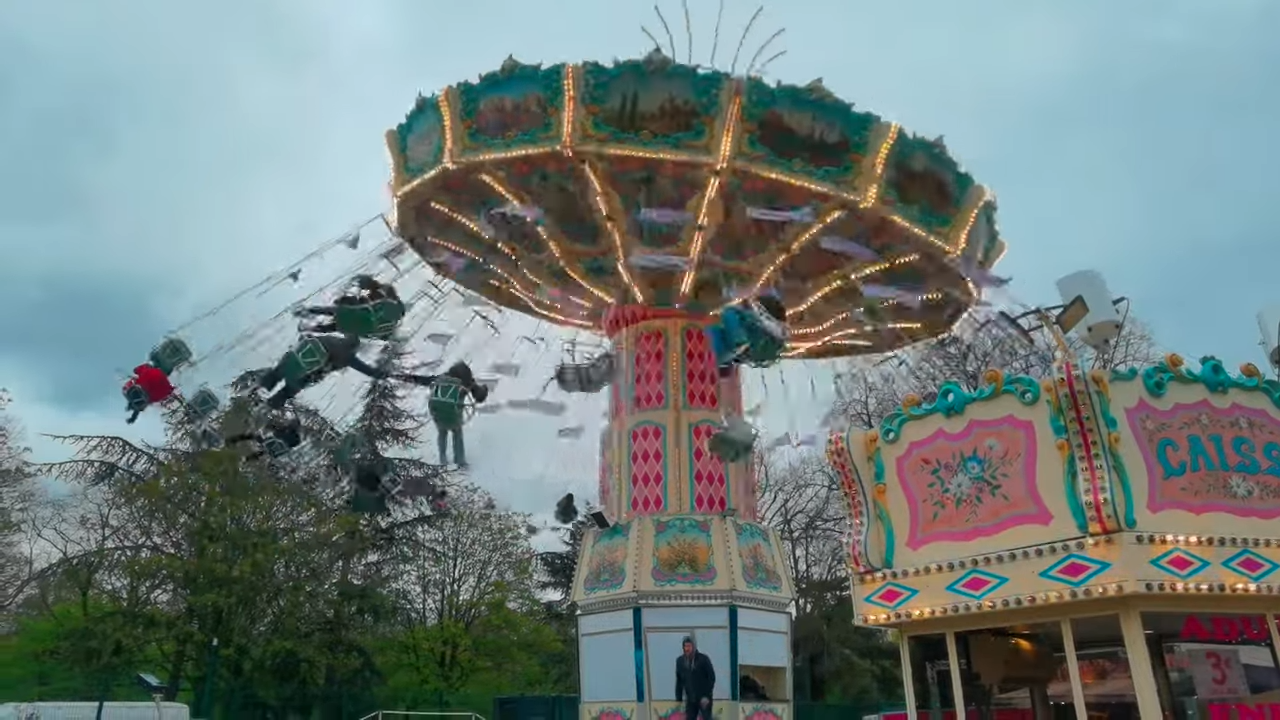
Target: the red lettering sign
(1230, 628)
(1243, 711)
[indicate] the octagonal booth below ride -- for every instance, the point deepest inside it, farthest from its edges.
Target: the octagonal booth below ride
(1092, 544)
(645, 584)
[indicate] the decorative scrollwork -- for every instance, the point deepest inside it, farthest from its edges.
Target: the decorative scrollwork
(1212, 375)
(953, 399)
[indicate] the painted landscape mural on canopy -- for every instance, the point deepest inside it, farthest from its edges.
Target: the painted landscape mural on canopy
(971, 484)
(1201, 458)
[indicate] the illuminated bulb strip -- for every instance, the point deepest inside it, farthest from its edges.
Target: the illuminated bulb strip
(962, 241)
(446, 153)
(727, 138)
(514, 199)
(473, 226)
(619, 247)
(852, 277)
(652, 154)
(911, 228)
(570, 108)
(506, 155)
(506, 248)
(450, 140)
(869, 327)
(803, 183)
(814, 346)
(419, 181)
(467, 253)
(872, 192)
(796, 246)
(533, 304)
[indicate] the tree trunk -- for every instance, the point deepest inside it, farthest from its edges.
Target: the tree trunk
(176, 668)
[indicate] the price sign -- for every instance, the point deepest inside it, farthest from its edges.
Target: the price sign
(1217, 673)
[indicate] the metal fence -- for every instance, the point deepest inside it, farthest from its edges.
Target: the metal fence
(394, 714)
(565, 707)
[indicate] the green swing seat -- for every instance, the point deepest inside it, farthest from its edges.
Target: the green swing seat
(169, 355)
(733, 442)
(764, 350)
(305, 359)
(448, 402)
(377, 320)
(203, 404)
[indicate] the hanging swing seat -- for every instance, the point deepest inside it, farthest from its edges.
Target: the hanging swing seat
(377, 320)
(368, 503)
(203, 404)
(275, 447)
(305, 359)
(733, 442)
(170, 354)
(589, 377)
(208, 438)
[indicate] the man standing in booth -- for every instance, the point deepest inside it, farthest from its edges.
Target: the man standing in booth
(695, 682)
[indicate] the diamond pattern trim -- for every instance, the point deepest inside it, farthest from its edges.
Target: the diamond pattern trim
(1250, 564)
(1180, 563)
(606, 475)
(649, 368)
(648, 455)
(708, 482)
(977, 584)
(701, 375)
(1075, 570)
(891, 596)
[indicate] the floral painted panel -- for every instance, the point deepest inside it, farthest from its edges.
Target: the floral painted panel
(675, 711)
(610, 713)
(607, 563)
(971, 484)
(762, 711)
(683, 552)
(1201, 458)
(759, 561)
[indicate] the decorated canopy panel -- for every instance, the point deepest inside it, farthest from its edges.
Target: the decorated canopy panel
(561, 190)
(1082, 485)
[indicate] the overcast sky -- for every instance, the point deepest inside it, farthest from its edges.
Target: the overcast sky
(156, 157)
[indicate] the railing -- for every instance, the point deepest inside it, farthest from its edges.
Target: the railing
(385, 714)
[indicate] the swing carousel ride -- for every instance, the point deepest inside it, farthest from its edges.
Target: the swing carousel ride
(702, 222)
(334, 312)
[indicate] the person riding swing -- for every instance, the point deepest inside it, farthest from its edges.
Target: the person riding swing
(447, 406)
(313, 359)
(372, 310)
(277, 439)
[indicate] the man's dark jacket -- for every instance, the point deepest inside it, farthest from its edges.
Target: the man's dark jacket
(694, 682)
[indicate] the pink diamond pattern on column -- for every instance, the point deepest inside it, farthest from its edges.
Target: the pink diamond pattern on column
(710, 482)
(701, 376)
(615, 398)
(605, 475)
(648, 469)
(650, 371)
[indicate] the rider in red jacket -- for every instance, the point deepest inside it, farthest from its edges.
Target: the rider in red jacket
(153, 382)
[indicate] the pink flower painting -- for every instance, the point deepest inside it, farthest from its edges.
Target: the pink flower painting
(971, 484)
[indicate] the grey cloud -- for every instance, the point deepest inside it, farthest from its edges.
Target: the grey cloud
(70, 337)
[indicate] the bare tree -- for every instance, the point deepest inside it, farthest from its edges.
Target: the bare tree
(800, 499)
(17, 507)
(985, 339)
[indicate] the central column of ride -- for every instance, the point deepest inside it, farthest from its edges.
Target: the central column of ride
(683, 554)
(666, 402)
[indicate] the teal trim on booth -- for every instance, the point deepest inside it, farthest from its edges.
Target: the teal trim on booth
(638, 630)
(733, 653)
